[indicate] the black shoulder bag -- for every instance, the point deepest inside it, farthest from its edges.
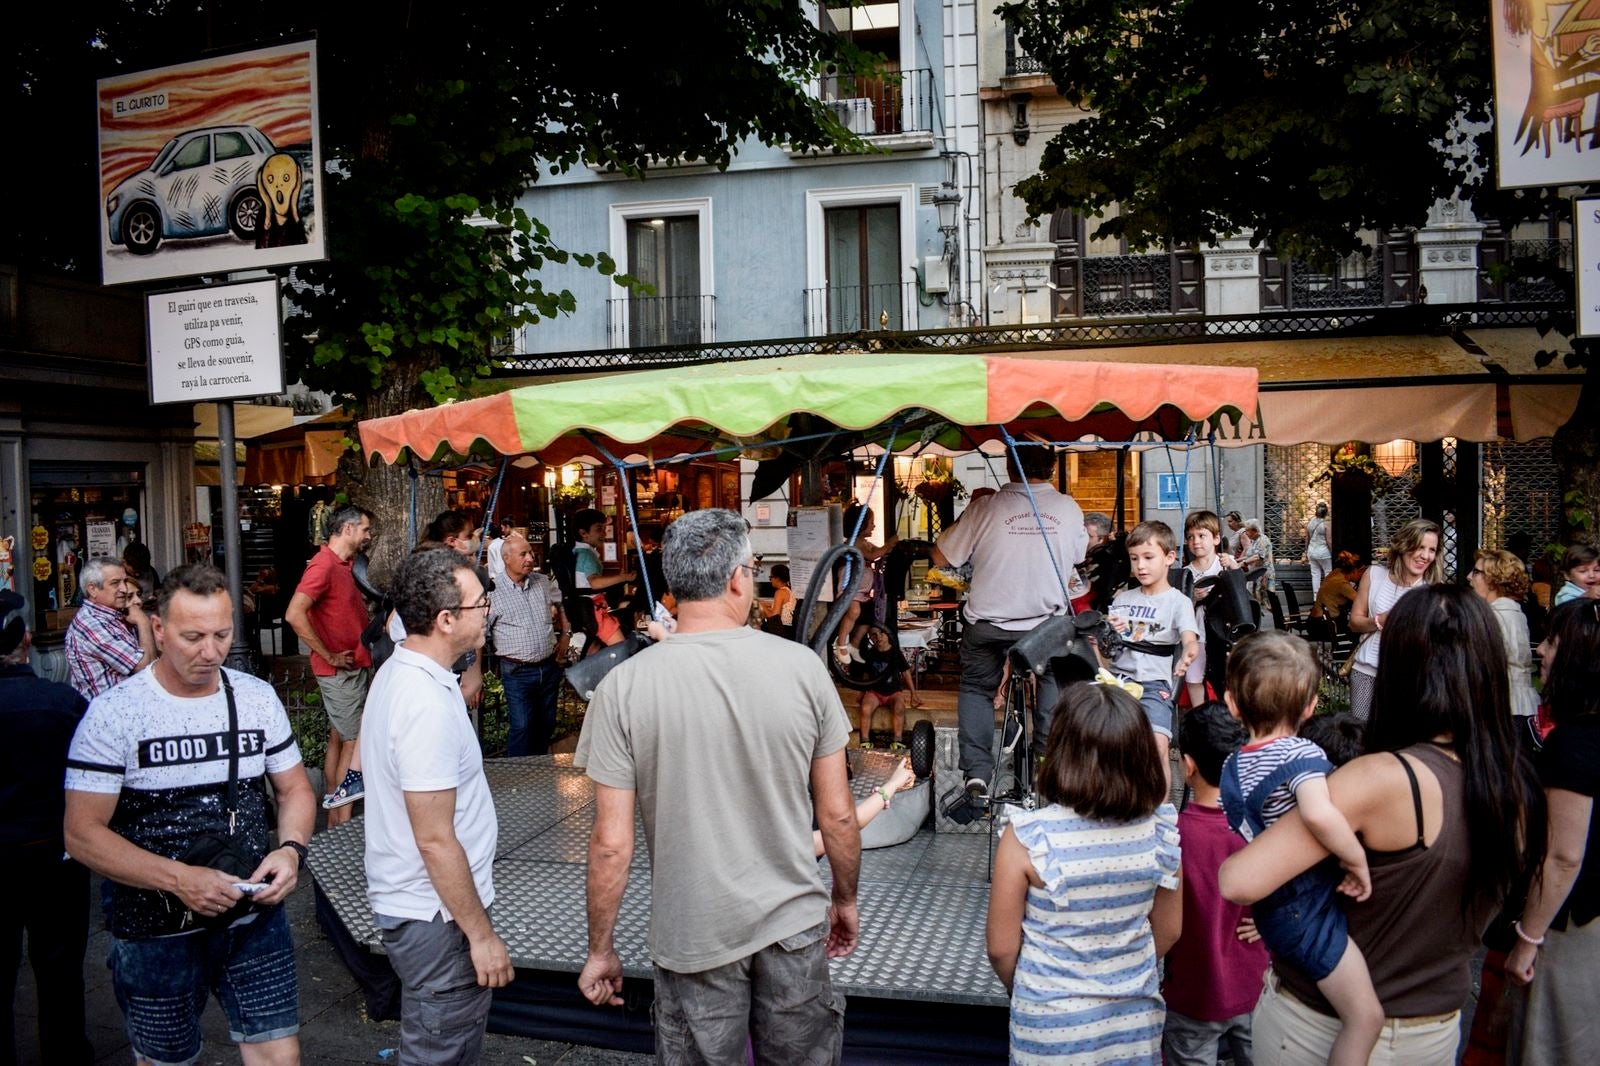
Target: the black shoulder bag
(221, 851)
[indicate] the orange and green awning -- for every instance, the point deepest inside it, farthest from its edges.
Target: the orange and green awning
(680, 410)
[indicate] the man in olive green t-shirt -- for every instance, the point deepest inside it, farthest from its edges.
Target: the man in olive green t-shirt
(723, 734)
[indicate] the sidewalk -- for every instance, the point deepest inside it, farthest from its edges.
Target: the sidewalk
(334, 1029)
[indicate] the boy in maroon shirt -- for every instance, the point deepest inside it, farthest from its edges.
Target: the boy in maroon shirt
(1214, 971)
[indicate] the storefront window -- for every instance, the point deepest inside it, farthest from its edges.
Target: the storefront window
(78, 513)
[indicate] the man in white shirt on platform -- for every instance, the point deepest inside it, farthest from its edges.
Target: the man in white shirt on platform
(1016, 584)
(431, 829)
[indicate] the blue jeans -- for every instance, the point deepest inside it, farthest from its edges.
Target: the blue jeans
(531, 690)
(162, 984)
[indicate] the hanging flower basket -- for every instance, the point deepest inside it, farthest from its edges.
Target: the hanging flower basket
(573, 497)
(940, 489)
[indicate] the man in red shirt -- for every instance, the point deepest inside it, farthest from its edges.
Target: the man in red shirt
(328, 614)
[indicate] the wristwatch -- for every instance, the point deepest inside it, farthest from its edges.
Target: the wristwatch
(300, 850)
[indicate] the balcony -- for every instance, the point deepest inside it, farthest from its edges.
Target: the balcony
(1018, 62)
(661, 321)
(890, 105)
(853, 308)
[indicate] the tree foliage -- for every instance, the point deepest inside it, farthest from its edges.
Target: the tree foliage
(1298, 121)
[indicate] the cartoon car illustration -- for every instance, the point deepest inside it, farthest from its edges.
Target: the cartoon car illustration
(202, 183)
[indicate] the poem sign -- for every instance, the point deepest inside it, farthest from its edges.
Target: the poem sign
(216, 343)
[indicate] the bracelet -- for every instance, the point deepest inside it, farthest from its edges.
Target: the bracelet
(1516, 927)
(883, 790)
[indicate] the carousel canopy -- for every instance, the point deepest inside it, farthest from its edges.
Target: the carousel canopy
(760, 403)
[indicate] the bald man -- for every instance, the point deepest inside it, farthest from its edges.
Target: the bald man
(530, 634)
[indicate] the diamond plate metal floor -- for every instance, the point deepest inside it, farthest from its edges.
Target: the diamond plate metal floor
(923, 903)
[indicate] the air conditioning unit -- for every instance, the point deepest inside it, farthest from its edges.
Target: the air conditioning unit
(854, 114)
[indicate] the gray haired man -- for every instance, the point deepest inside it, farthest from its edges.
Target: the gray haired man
(723, 735)
(110, 638)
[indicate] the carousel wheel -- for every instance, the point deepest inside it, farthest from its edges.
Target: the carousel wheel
(922, 749)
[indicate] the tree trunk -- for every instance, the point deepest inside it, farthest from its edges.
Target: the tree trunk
(386, 490)
(1576, 448)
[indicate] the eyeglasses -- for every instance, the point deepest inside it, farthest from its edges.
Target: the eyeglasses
(481, 605)
(753, 570)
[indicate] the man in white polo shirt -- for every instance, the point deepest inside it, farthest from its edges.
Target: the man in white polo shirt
(431, 830)
(1016, 584)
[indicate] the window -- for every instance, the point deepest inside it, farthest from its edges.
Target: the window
(231, 146)
(863, 250)
(196, 153)
(667, 245)
(664, 253)
(860, 250)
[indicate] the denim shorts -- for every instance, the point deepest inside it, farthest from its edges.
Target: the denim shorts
(1159, 704)
(162, 984)
(1303, 925)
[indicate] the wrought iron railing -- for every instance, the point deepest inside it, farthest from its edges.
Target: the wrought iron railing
(1528, 256)
(1126, 284)
(1356, 280)
(1017, 60)
(653, 321)
(901, 102)
(861, 308)
(1074, 333)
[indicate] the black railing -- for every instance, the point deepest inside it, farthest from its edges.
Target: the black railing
(1086, 333)
(861, 308)
(1018, 61)
(902, 102)
(653, 321)
(1529, 256)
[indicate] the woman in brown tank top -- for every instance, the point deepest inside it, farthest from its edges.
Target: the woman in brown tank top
(1440, 802)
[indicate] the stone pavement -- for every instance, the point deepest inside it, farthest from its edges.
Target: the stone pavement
(334, 1028)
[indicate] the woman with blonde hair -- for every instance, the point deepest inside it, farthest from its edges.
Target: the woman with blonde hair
(1413, 562)
(1499, 579)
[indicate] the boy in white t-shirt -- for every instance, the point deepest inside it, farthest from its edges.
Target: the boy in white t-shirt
(1202, 535)
(1155, 619)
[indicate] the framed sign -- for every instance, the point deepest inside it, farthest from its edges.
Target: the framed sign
(211, 166)
(216, 343)
(1586, 253)
(1545, 94)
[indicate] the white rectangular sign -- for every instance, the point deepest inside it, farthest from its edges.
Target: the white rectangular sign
(1586, 225)
(808, 540)
(102, 540)
(217, 343)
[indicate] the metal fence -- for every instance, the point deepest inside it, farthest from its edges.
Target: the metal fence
(902, 102)
(1017, 60)
(651, 321)
(1073, 333)
(1520, 494)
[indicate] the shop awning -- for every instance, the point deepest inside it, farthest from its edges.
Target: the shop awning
(1479, 385)
(682, 410)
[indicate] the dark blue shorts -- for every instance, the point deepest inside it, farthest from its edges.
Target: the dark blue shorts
(162, 984)
(1303, 925)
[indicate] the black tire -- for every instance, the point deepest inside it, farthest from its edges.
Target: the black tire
(922, 749)
(141, 228)
(244, 215)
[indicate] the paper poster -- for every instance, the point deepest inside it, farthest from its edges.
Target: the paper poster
(102, 539)
(808, 540)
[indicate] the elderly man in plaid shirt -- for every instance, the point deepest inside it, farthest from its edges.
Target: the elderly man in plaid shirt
(110, 638)
(530, 635)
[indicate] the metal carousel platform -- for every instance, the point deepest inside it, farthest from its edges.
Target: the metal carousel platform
(919, 984)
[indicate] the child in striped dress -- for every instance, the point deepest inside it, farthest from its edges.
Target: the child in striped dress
(1085, 896)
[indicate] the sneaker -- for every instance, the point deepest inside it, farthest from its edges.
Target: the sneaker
(349, 791)
(854, 653)
(977, 789)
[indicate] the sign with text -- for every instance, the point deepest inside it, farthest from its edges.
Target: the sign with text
(217, 343)
(211, 166)
(1586, 227)
(1172, 492)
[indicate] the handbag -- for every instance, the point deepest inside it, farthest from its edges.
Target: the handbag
(150, 913)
